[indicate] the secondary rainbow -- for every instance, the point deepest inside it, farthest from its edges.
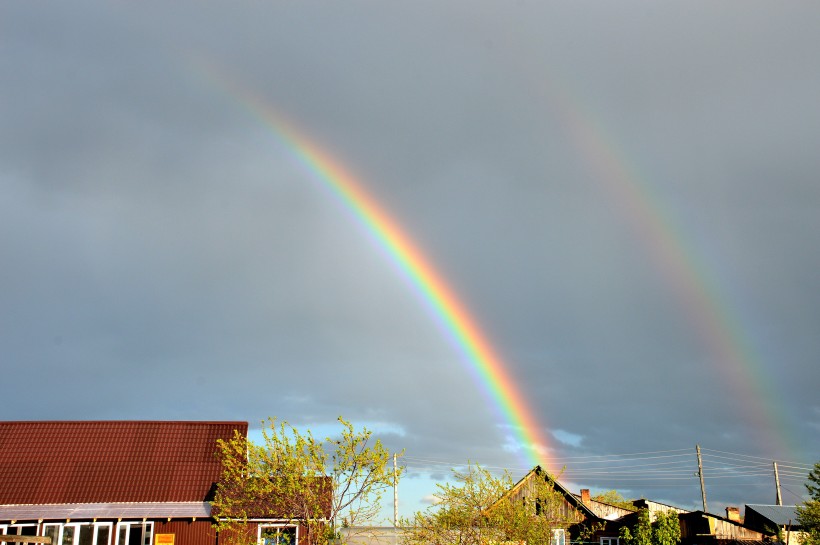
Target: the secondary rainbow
(448, 310)
(719, 329)
(719, 326)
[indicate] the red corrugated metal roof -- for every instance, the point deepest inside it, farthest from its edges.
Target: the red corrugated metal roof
(110, 461)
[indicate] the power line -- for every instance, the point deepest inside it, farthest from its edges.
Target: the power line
(767, 460)
(667, 469)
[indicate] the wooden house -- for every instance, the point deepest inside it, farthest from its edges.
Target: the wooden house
(582, 519)
(117, 483)
(700, 528)
(779, 520)
(577, 517)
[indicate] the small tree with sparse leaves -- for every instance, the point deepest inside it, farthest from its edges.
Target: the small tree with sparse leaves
(317, 484)
(476, 510)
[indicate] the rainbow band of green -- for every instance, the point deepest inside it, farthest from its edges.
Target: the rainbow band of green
(483, 362)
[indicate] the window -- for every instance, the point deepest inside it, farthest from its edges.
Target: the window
(609, 541)
(19, 530)
(278, 535)
(52, 531)
(79, 533)
(69, 530)
(86, 536)
(103, 534)
(558, 537)
(135, 533)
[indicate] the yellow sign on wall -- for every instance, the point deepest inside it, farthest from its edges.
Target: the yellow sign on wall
(163, 539)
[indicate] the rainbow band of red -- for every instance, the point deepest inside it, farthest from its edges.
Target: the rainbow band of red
(488, 369)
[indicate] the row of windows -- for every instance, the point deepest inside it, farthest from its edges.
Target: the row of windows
(87, 533)
(130, 533)
(141, 533)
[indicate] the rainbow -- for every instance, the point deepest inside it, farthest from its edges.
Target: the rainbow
(718, 326)
(712, 319)
(482, 360)
(719, 329)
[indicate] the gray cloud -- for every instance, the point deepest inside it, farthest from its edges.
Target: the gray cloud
(165, 256)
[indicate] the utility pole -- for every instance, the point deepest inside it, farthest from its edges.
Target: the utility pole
(395, 492)
(700, 474)
(779, 500)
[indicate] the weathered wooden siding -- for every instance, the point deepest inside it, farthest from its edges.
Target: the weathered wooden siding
(607, 511)
(724, 529)
(698, 527)
(655, 508)
(559, 510)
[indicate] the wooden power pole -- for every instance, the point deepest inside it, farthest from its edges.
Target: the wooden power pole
(779, 500)
(700, 474)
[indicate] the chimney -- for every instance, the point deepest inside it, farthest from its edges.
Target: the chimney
(585, 496)
(733, 514)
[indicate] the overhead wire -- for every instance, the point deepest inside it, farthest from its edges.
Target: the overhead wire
(653, 469)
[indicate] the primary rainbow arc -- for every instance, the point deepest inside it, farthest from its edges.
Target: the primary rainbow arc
(446, 306)
(483, 361)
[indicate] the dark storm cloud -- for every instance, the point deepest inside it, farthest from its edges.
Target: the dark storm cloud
(165, 257)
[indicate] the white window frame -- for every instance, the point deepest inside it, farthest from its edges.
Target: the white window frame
(558, 537)
(63, 528)
(76, 528)
(97, 526)
(4, 528)
(277, 526)
(57, 535)
(147, 528)
(609, 540)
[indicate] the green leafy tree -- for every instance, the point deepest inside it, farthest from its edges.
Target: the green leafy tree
(476, 509)
(613, 497)
(808, 514)
(665, 530)
(641, 533)
(294, 476)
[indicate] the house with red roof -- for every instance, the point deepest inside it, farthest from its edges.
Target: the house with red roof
(117, 483)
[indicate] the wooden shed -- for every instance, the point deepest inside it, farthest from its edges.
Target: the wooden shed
(700, 528)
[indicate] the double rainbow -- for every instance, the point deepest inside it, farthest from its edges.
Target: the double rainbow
(720, 331)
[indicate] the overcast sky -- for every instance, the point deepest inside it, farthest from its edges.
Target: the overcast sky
(624, 195)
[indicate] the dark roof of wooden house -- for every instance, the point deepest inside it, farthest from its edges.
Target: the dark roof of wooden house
(61, 462)
(782, 515)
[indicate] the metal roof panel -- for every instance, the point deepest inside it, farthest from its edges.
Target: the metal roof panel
(779, 514)
(90, 511)
(110, 461)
